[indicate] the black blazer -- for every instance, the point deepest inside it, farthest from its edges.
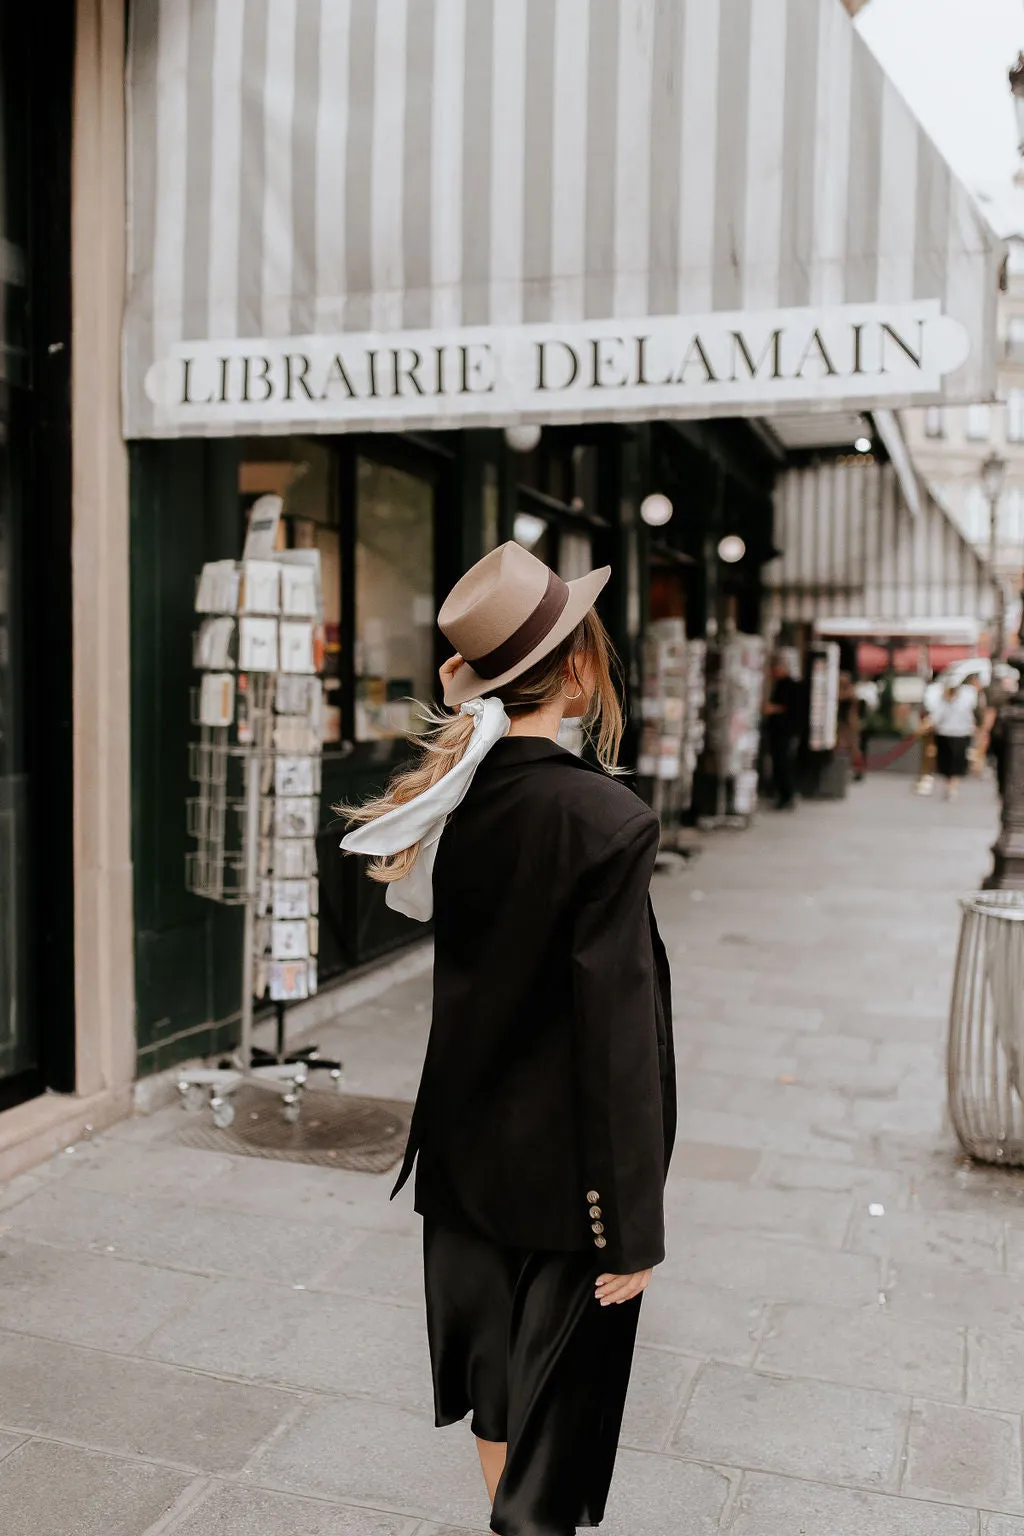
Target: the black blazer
(546, 1112)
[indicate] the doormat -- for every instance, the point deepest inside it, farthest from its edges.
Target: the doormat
(334, 1130)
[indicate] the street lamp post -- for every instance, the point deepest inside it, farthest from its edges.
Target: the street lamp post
(993, 473)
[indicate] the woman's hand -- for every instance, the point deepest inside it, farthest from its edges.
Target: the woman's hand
(617, 1288)
(448, 671)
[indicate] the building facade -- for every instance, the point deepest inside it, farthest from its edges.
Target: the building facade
(950, 445)
(366, 242)
(67, 1027)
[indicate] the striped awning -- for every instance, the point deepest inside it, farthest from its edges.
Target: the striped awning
(381, 214)
(852, 549)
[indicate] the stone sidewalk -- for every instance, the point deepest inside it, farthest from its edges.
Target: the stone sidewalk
(212, 1346)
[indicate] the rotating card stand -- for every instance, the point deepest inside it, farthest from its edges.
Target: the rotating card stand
(255, 768)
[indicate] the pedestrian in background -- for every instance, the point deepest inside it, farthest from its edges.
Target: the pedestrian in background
(545, 1114)
(930, 702)
(850, 720)
(954, 717)
(783, 725)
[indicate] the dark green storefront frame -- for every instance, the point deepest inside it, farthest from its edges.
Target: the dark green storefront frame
(184, 510)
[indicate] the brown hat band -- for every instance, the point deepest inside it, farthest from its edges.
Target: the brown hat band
(529, 634)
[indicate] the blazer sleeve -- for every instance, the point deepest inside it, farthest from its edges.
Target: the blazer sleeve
(619, 1062)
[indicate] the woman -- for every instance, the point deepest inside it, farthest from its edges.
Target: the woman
(954, 718)
(545, 1115)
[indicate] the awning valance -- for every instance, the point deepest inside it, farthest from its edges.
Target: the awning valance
(430, 213)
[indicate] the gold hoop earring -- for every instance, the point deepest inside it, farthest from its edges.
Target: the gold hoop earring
(572, 697)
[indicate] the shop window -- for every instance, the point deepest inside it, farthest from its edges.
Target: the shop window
(1015, 416)
(490, 512)
(575, 555)
(935, 421)
(534, 534)
(394, 600)
(301, 472)
(979, 423)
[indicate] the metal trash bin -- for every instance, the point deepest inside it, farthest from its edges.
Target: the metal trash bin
(985, 1060)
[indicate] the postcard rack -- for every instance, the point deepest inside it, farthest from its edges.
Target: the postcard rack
(252, 816)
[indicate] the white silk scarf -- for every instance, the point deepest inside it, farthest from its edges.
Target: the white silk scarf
(422, 820)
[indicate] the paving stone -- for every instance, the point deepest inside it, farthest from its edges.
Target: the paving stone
(179, 1235)
(230, 1511)
(1001, 1525)
(8, 1443)
(925, 1029)
(870, 1185)
(964, 1456)
(865, 1348)
(723, 1034)
(777, 1506)
(333, 1195)
(770, 1270)
(834, 1049)
(703, 1160)
(767, 1135)
(807, 1216)
(133, 1407)
(385, 1265)
(60, 1490)
(921, 1237)
(960, 1298)
(380, 1455)
(910, 1117)
(658, 1384)
(654, 1495)
(164, 1169)
(726, 1060)
(997, 1192)
(308, 1339)
(699, 1320)
(995, 1370)
(792, 1103)
(803, 1428)
(852, 1079)
(101, 1301)
(427, 1528)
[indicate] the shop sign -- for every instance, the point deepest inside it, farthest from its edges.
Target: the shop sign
(611, 369)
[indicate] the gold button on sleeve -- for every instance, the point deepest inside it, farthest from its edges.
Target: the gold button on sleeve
(592, 1197)
(597, 1226)
(600, 1242)
(595, 1211)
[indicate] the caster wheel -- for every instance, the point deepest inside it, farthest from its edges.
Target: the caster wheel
(336, 1078)
(223, 1113)
(291, 1109)
(192, 1097)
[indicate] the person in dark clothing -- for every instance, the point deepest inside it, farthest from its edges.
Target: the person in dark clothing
(545, 1116)
(782, 732)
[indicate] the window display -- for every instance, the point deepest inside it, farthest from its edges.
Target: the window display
(394, 646)
(303, 473)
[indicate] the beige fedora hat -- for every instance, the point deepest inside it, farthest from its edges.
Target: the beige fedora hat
(506, 613)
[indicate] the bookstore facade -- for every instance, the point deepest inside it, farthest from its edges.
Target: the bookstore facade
(439, 275)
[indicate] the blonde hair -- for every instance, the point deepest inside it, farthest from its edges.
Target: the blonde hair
(448, 735)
